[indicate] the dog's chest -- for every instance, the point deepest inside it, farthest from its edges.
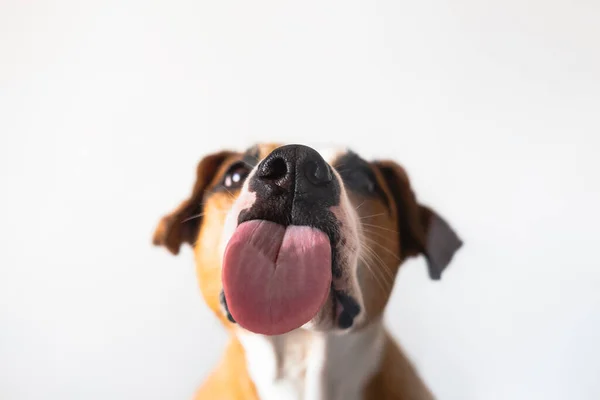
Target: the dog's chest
(279, 365)
(302, 365)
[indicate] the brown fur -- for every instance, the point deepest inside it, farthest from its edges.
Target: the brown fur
(229, 380)
(397, 379)
(181, 225)
(394, 230)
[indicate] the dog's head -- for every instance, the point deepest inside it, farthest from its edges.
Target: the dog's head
(286, 237)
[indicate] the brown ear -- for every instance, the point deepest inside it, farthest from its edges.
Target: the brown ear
(422, 230)
(183, 223)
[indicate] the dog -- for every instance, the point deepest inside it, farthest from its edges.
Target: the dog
(296, 253)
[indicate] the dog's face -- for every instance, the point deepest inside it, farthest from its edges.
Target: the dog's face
(287, 237)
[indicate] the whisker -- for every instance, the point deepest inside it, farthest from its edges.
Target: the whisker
(382, 264)
(193, 217)
(203, 213)
(390, 253)
(370, 240)
(367, 264)
(247, 164)
(230, 193)
(372, 216)
(387, 271)
(381, 227)
(370, 251)
(360, 205)
(380, 235)
(378, 275)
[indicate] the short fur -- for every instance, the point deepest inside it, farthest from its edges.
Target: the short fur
(363, 362)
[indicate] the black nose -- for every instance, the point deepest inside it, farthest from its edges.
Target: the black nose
(294, 186)
(295, 167)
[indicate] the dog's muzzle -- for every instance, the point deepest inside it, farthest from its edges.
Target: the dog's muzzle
(277, 272)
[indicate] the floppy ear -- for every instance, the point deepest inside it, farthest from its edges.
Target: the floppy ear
(422, 230)
(182, 224)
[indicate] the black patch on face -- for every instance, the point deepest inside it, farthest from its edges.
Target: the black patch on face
(350, 309)
(358, 176)
(223, 302)
(251, 156)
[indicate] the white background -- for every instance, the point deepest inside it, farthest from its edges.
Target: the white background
(106, 107)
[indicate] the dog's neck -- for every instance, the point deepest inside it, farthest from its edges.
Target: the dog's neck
(311, 365)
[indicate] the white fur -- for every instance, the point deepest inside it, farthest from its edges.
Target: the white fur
(313, 365)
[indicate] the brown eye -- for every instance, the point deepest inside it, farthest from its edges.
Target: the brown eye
(235, 176)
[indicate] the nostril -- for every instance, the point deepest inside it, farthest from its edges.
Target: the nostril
(317, 173)
(273, 168)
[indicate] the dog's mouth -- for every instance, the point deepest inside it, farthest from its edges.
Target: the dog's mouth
(290, 248)
(276, 278)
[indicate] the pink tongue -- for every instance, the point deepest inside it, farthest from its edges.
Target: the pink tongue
(276, 278)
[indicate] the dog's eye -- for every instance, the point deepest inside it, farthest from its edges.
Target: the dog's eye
(235, 176)
(362, 180)
(367, 181)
